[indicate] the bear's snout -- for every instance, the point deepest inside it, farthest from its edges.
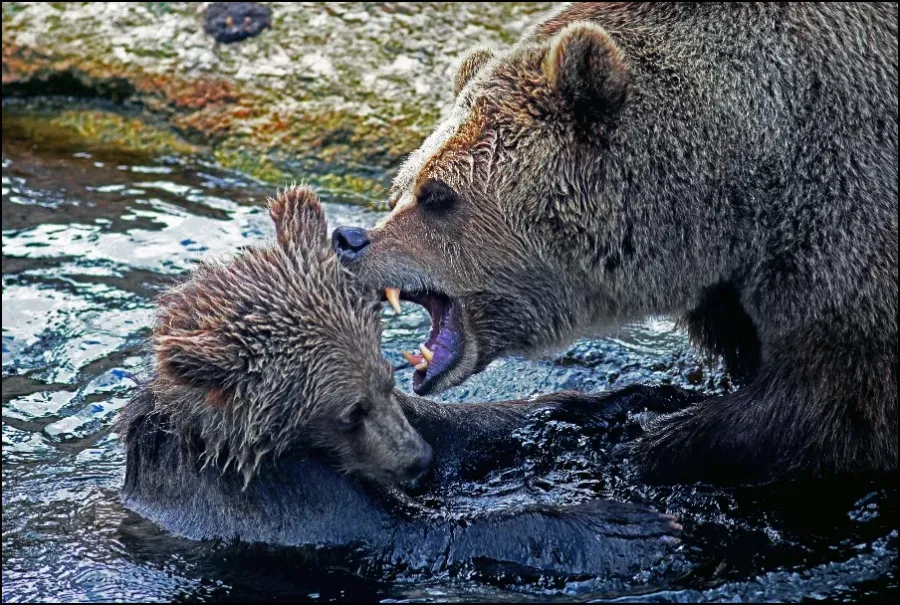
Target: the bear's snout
(349, 242)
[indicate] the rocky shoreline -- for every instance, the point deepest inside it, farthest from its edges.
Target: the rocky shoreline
(335, 93)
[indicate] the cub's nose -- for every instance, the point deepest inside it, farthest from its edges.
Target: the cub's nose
(422, 462)
(349, 242)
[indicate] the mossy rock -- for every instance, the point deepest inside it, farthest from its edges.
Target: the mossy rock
(349, 86)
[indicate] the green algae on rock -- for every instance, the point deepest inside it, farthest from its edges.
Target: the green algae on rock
(114, 130)
(92, 129)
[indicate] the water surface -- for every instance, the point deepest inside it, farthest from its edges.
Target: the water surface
(90, 235)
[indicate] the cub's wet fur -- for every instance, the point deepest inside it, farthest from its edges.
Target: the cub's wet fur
(277, 348)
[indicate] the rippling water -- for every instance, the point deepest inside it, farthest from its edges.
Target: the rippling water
(90, 235)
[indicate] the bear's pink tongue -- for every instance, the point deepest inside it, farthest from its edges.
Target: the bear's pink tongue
(439, 352)
(421, 360)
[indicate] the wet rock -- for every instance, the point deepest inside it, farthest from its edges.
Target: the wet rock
(235, 21)
(695, 376)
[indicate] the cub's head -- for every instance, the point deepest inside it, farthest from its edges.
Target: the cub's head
(278, 349)
(492, 227)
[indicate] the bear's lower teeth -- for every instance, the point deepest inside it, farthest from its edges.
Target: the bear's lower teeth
(419, 361)
(416, 360)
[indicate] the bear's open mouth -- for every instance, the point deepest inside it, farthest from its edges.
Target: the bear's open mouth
(441, 351)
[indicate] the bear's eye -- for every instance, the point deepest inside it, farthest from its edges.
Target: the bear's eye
(436, 196)
(352, 417)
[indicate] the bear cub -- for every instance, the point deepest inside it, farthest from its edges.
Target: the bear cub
(277, 348)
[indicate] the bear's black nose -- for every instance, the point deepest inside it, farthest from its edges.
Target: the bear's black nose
(349, 242)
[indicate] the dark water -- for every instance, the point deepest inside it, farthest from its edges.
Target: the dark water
(89, 237)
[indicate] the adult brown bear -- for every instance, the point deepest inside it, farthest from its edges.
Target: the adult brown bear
(732, 164)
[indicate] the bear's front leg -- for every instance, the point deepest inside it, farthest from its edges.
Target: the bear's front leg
(749, 436)
(474, 438)
(612, 411)
(700, 443)
(796, 419)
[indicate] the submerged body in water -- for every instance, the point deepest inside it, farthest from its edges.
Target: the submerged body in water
(301, 500)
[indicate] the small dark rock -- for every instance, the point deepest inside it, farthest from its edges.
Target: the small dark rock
(236, 21)
(695, 376)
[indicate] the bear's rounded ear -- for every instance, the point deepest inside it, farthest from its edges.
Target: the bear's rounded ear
(586, 68)
(198, 358)
(298, 217)
(471, 64)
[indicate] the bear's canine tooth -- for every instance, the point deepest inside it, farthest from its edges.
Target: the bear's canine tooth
(422, 366)
(427, 353)
(393, 297)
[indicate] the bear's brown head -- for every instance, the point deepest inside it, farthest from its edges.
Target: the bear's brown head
(278, 349)
(488, 223)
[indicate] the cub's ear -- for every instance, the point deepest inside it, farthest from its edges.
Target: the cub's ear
(589, 72)
(471, 64)
(198, 358)
(299, 218)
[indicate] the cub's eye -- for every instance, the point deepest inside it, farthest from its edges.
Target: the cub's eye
(436, 196)
(352, 417)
